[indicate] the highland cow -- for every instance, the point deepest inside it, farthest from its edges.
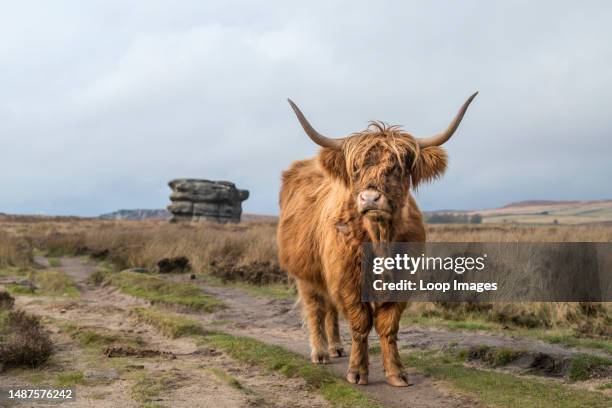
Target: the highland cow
(356, 190)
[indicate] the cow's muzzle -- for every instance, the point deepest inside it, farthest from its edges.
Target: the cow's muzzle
(374, 205)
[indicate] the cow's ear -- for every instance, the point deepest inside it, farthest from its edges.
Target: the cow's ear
(334, 164)
(430, 165)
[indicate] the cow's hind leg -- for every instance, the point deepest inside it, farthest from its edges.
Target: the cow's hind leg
(386, 321)
(314, 305)
(333, 331)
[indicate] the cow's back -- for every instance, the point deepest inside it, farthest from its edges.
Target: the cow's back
(303, 192)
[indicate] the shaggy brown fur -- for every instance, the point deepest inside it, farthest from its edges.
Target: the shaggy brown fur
(321, 231)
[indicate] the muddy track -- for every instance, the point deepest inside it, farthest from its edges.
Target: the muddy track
(193, 373)
(275, 322)
(278, 322)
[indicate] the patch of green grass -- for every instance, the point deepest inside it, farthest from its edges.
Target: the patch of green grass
(161, 291)
(226, 378)
(48, 283)
(573, 341)
(275, 358)
(504, 356)
(501, 389)
(150, 386)
(606, 386)
(584, 366)
(54, 262)
(375, 349)
(67, 380)
(436, 321)
(271, 291)
(170, 324)
(56, 283)
(10, 271)
(493, 356)
(15, 289)
(96, 338)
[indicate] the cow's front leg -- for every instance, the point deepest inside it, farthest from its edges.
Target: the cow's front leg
(359, 316)
(386, 321)
(333, 331)
(314, 309)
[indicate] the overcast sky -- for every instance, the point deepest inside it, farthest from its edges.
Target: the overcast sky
(102, 103)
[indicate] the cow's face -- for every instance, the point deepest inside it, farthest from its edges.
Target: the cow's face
(379, 166)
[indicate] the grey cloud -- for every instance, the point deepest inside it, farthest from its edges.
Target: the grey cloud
(103, 104)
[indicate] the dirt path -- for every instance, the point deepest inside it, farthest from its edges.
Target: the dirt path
(278, 322)
(197, 377)
(269, 320)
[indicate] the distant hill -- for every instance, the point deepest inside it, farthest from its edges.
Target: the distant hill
(160, 214)
(259, 217)
(550, 212)
(137, 215)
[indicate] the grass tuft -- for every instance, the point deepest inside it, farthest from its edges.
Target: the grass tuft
(23, 341)
(55, 262)
(56, 283)
(170, 325)
(93, 337)
(150, 386)
(226, 378)
(161, 291)
(585, 366)
(69, 380)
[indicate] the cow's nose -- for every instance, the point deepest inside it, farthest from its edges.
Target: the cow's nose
(369, 196)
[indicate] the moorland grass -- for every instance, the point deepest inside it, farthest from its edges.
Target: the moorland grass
(97, 337)
(164, 292)
(167, 323)
(500, 389)
(55, 262)
(55, 283)
(583, 366)
(148, 387)
(129, 244)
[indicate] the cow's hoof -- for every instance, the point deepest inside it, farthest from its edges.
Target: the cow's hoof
(398, 380)
(320, 358)
(336, 351)
(357, 378)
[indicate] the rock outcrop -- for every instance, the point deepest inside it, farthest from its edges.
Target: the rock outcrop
(196, 200)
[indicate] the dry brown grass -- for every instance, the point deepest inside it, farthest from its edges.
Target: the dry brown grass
(250, 245)
(519, 233)
(14, 251)
(131, 244)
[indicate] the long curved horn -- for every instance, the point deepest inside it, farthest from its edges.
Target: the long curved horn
(316, 137)
(441, 138)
